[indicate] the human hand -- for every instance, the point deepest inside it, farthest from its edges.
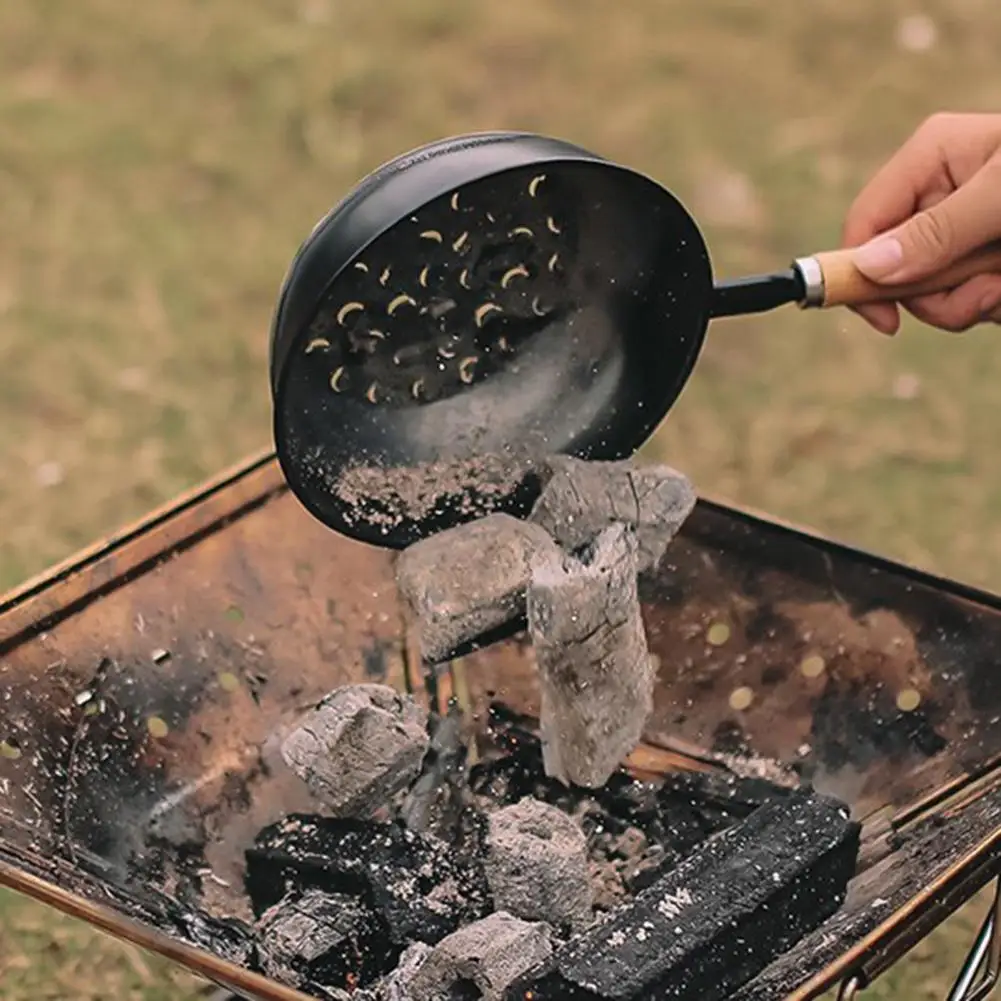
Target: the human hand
(937, 199)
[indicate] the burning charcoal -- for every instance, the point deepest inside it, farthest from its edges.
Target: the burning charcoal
(718, 918)
(358, 747)
(481, 960)
(418, 887)
(396, 986)
(323, 940)
(537, 865)
(581, 499)
(469, 580)
(596, 674)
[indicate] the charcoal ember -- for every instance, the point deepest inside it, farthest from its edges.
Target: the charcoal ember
(469, 580)
(581, 499)
(717, 919)
(396, 985)
(416, 886)
(323, 940)
(537, 865)
(481, 960)
(595, 671)
(358, 747)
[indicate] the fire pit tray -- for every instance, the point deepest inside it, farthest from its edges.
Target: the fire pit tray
(145, 685)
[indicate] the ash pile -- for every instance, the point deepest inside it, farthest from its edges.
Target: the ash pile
(525, 862)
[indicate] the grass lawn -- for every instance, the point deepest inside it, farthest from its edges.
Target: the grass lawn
(160, 163)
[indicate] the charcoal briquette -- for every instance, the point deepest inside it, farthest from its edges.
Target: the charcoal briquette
(596, 675)
(415, 885)
(396, 985)
(581, 499)
(469, 580)
(717, 919)
(358, 747)
(481, 960)
(537, 865)
(323, 940)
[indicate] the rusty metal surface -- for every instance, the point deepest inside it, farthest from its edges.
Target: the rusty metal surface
(144, 688)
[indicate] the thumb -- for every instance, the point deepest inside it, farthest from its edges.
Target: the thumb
(936, 237)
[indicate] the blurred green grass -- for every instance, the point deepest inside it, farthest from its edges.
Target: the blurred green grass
(159, 165)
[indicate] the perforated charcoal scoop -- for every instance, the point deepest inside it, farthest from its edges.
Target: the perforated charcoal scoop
(480, 303)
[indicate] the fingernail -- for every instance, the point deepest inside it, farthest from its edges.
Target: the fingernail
(880, 258)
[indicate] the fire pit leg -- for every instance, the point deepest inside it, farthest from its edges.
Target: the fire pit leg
(981, 969)
(986, 955)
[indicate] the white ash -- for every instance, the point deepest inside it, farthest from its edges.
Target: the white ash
(537, 865)
(595, 670)
(469, 580)
(490, 955)
(358, 747)
(581, 499)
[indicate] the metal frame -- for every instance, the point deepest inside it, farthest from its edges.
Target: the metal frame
(980, 971)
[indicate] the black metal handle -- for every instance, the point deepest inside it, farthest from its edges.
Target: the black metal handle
(757, 294)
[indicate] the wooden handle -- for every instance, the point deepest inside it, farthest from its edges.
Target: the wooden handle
(845, 285)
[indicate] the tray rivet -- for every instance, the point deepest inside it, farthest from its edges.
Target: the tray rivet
(228, 681)
(717, 634)
(157, 727)
(812, 666)
(741, 698)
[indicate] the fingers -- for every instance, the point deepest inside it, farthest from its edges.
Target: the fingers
(975, 301)
(883, 316)
(940, 156)
(895, 192)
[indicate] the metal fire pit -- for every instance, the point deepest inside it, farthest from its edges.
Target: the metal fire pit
(145, 684)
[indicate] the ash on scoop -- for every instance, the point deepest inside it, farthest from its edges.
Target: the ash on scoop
(390, 496)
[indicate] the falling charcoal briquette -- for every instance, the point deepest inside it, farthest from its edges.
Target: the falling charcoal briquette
(480, 961)
(469, 580)
(596, 674)
(717, 919)
(537, 866)
(358, 747)
(323, 940)
(581, 499)
(416, 886)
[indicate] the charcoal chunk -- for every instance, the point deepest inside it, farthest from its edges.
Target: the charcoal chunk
(396, 986)
(537, 865)
(595, 671)
(716, 920)
(323, 940)
(581, 499)
(358, 747)
(469, 580)
(481, 960)
(416, 886)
